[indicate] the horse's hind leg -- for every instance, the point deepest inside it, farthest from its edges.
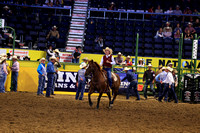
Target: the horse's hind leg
(109, 96)
(114, 96)
(99, 98)
(89, 96)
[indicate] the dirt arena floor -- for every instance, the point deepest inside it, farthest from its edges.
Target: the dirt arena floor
(26, 112)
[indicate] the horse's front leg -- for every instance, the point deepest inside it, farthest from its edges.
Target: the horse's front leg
(109, 96)
(99, 98)
(89, 96)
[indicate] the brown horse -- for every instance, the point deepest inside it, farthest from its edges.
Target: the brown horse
(99, 82)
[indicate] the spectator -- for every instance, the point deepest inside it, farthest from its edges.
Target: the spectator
(53, 35)
(49, 52)
(26, 58)
(159, 33)
(128, 61)
(18, 57)
(187, 11)
(15, 71)
(99, 41)
(119, 59)
(167, 34)
(150, 10)
(178, 28)
(167, 25)
(49, 2)
(177, 36)
(76, 55)
(111, 7)
(178, 12)
(190, 28)
(197, 24)
(6, 12)
(58, 2)
(195, 13)
(159, 10)
(188, 36)
(170, 11)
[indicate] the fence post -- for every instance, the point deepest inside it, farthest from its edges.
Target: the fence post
(136, 51)
(179, 65)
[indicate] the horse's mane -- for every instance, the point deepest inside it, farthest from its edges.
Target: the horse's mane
(98, 66)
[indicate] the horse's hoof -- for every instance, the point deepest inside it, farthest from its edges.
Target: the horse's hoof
(97, 107)
(111, 105)
(90, 104)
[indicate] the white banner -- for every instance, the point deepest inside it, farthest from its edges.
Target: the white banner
(21, 53)
(2, 23)
(66, 57)
(195, 48)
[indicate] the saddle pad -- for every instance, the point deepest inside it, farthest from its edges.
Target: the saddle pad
(114, 76)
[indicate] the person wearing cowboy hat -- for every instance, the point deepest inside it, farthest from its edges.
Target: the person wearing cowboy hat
(76, 55)
(3, 74)
(15, 71)
(119, 59)
(168, 85)
(56, 53)
(159, 79)
(128, 61)
(167, 25)
(174, 85)
(140, 63)
(148, 79)
(53, 35)
(50, 75)
(42, 73)
(6, 12)
(107, 61)
(56, 66)
(132, 78)
(190, 28)
(81, 81)
(167, 34)
(85, 60)
(170, 65)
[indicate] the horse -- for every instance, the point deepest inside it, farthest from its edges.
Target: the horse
(100, 83)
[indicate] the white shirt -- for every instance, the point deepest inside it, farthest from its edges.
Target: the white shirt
(112, 63)
(169, 79)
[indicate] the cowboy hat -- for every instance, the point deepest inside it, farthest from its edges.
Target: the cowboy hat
(112, 3)
(160, 66)
(170, 64)
(83, 65)
(128, 57)
(149, 65)
(167, 22)
(14, 57)
(3, 55)
(178, 6)
(134, 68)
(6, 7)
(119, 53)
(85, 58)
(175, 71)
(126, 69)
(54, 27)
(42, 59)
(141, 59)
(167, 28)
(107, 48)
(189, 23)
(57, 51)
(169, 68)
(53, 58)
(3, 59)
(163, 68)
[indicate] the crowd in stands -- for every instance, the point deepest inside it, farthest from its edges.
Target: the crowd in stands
(51, 3)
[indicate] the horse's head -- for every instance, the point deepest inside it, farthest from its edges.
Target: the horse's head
(91, 67)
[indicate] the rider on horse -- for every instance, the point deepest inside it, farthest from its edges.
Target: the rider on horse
(107, 61)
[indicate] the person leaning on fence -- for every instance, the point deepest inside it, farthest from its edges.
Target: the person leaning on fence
(49, 52)
(140, 63)
(56, 66)
(148, 79)
(159, 82)
(15, 71)
(3, 74)
(50, 75)
(42, 73)
(128, 61)
(107, 61)
(119, 59)
(168, 84)
(82, 80)
(133, 82)
(76, 55)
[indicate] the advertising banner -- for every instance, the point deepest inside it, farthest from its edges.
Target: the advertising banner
(66, 57)
(21, 53)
